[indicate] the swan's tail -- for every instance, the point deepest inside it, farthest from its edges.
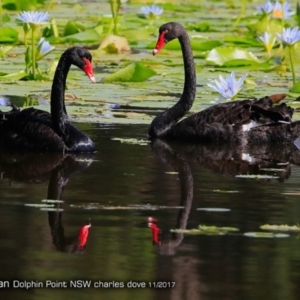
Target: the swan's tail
(280, 132)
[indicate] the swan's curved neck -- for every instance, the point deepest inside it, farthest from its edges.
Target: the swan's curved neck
(164, 121)
(58, 108)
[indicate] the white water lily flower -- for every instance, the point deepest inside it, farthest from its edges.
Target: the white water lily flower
(290, 36)
(268, 40)
(229, 87)
(43, 48)
(282, 11)
(33, 17)
(151, 11)
(266, 8)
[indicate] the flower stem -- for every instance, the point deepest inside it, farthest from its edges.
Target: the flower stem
(1, 12)
(292, 65)
(115, 6)
(33, 54)
(242, 12)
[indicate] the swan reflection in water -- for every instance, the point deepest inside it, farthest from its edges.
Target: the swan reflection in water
(224, 160)
(58, 169)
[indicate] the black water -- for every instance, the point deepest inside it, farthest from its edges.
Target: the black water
(43, 246)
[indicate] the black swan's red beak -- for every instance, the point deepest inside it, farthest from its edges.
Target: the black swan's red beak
(88, 70)
(160, 42)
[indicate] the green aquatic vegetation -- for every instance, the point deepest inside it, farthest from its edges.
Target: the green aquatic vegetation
(114, 44)
(256, 176)
(290, 37)
(214, 209)
(115, 6)
(134, 72)
(8, 35)
(266, 235)
(31, 24)
(207, 230)
(227, 56)
(132, 141)
(52, 201)
(210, 27)
(21, 4)
(295, 228)
(98, 206)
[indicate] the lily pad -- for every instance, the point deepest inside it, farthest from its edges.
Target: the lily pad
(296, 88)
(52, 209)
(205, 45)
(135, 72)
(214, 209)
(222, 55)
(129, 207)
(207, 230)
(52, 201)
(114, 44)
(256, 176)
(90, 35)
(266, 235)
(38, 205)
(73, 27)
(238, 40)
(8, 35)
(281, 227)
(132, 141)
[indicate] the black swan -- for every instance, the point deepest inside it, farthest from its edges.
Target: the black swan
(34, 129)
(252, 121)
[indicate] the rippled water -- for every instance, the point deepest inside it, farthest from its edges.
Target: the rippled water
(123, 185)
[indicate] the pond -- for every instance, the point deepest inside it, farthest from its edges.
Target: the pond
(177, 187)
(150, 220)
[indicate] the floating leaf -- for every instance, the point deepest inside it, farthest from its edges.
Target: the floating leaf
(39, 205)
(266, 235)
(73, 27)
(256, 176)
(8, 35)
(200, 27)
(4, 50)
(14, 76)
(132, 141)
(114, 44)
(280, 227)
(296, 88)
(135, 72)
(52, 209)
(220, 56)
(216, 228)
(90, 35)
(208, 230)
(129, 207)
(243, 40)
(201, 45)
(291, 193)
(225, 191)
(52, 201)
(214, 209)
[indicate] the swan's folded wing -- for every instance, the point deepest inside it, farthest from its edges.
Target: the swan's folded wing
(29, 129)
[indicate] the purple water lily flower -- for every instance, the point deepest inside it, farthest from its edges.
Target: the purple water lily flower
(228, 87)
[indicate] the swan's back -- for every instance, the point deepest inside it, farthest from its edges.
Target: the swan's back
(32, 129)
(235, 122)
(29, 129)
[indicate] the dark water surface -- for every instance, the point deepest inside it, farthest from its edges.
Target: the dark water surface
(38, 245)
